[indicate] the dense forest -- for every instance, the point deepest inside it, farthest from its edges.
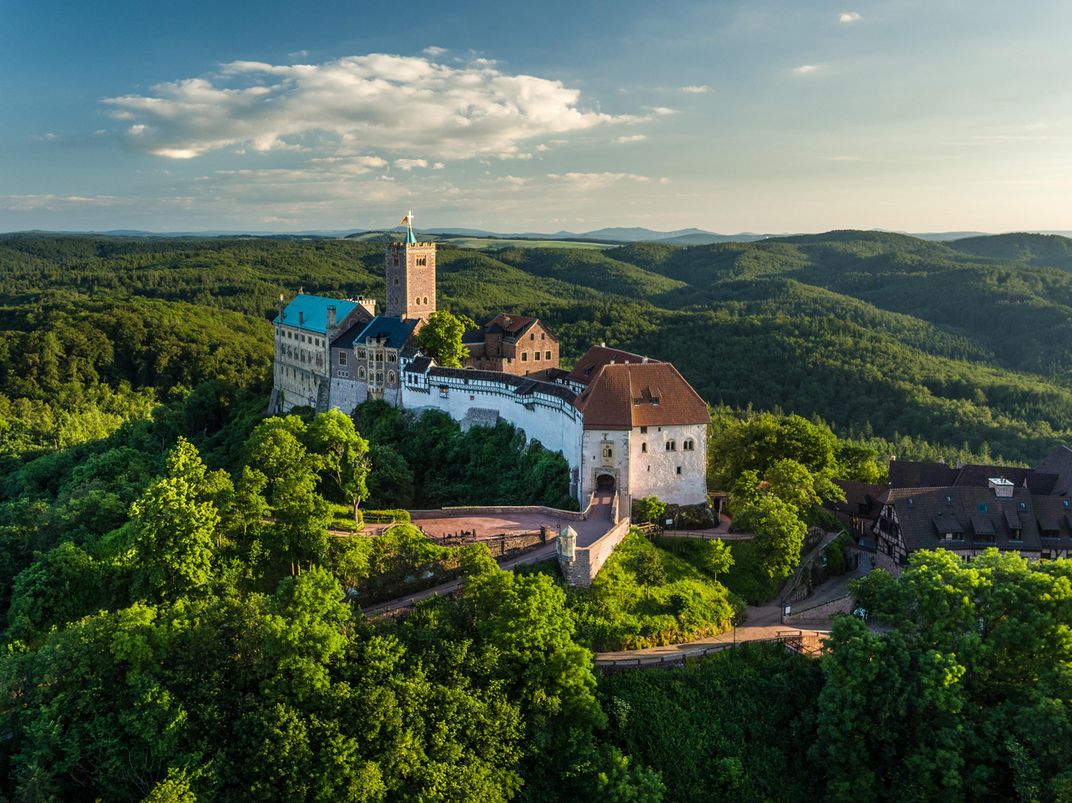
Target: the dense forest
(923, 349)
(178, 622)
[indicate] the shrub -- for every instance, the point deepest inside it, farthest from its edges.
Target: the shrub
(648, 509)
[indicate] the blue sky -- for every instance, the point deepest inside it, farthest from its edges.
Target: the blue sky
(728, 116)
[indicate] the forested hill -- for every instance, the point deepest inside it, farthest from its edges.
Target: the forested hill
(963, 346)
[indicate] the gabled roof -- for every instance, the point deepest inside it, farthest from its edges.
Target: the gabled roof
(628, 395)
(919, 474)
(1054, 514)
(509, 325)
(976, 514)
(861, 498)
(397, 332)
(311, 312)
(1059, 462)
(980, 475)
(590, 363)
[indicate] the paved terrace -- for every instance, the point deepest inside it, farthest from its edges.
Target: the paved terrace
(515, 522)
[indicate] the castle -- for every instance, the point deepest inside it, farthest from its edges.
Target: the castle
(622, 421)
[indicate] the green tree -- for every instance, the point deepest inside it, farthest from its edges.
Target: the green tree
(779, 532)
(648, 509)
(441, 338)
(343, 455)
(174, 527)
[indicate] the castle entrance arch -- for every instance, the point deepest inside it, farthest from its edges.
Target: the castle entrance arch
(605, 483)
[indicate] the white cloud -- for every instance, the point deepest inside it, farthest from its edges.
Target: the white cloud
(409, 164)
(411, 107)
(805, 69)
(432, 50)
(661, 111)
(696, 89)
(593, 181)
(630, 138)
(849, 16)
(298, 54)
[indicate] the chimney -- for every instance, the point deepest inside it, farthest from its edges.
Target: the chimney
(282, 309)
(331, 318)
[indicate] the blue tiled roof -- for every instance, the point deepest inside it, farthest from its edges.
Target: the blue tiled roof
(397, 331)
(315, 312)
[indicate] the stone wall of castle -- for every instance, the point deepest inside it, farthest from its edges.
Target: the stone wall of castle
(552, 421)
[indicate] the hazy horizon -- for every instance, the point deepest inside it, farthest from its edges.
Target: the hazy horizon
(735, 117)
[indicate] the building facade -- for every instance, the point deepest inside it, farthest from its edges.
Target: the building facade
(512, 344)
(304, 329)
(622, 421)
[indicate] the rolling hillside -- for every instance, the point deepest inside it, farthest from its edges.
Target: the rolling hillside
(932, 348)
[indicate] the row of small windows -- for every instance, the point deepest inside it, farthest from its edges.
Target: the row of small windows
(418, 300)
(316, 341)
(535, 356)
(671, 446)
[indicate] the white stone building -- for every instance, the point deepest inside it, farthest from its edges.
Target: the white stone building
(645, 433)
(622, 421)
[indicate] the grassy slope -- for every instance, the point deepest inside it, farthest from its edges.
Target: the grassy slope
(620, 611)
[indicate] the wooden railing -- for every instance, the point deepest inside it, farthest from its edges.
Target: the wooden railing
(793, 639)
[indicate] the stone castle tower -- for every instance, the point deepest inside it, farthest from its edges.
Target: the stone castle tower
(411, 276)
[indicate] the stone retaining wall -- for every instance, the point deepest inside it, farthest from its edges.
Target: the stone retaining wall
(588, 560)
(820, 613)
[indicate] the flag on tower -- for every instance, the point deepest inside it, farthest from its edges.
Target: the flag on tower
(405, 221)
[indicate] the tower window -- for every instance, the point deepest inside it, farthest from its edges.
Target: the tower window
(671, 446)
(547, 355)
(679, 469)
(422, 261)
(524, 356)
(426, 299)
(644, 447)
(689, 445)
(417, 300)
(342, 358)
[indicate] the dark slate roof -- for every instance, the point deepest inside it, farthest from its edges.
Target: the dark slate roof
(419, 365)
(861, 498)
(1059, 463)
(980, 476)
(925, 513)
(1041, 484)
(312, 311)
(1054, 515)
(917, 474)
(473, 337)
(397, 331)
(550, 374)
(345, 338)
(521, 385)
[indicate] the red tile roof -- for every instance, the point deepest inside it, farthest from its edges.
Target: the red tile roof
(590, 363)
(627, 395)
(509, 324)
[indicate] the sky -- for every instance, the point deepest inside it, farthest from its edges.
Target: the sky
(794, 116)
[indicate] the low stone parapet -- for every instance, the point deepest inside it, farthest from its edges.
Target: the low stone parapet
(588, 560)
